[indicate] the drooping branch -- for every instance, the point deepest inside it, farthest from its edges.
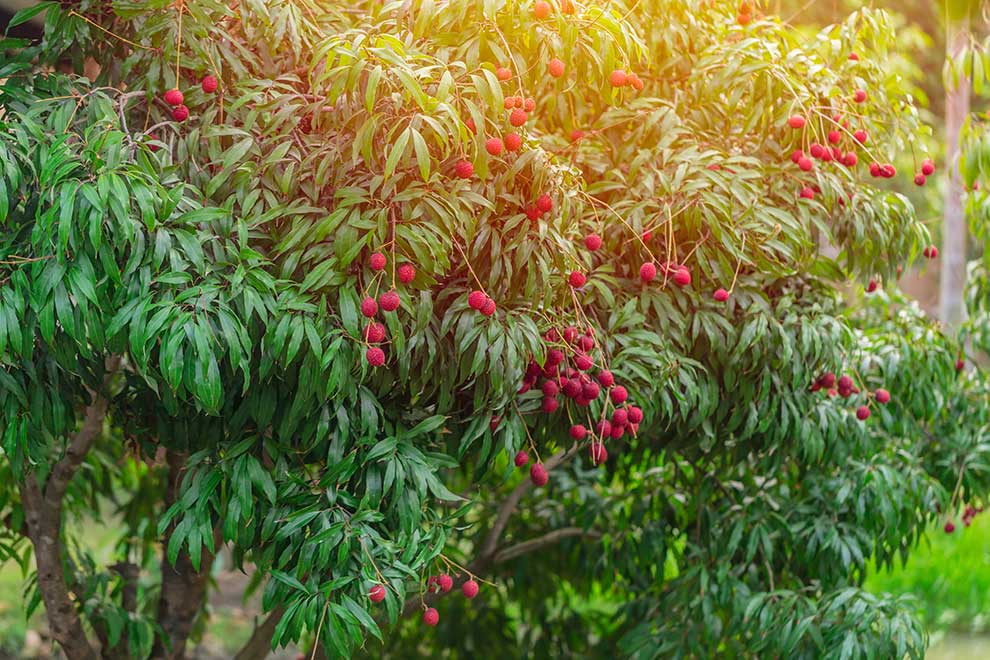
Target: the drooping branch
(532, 545)
(259, 645)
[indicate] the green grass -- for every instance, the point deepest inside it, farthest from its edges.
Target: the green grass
(949, 574)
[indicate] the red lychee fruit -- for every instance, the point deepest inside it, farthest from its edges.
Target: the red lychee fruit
(682, 276)
(446, 583)
(464, 169)
(647, 272)
(173, 97)
(949, 527)
(538, 475)
(618, 78)
(854, 57)
(550, 388)
(570, 334)
(919, 179)
(431, 617)
(931, 252)
(529, 105)
(617, 432)
(374, 333)
(590, 391)
(875, 169)
(862, 413)
(532, 212)
(369, 307)
(577, 279)
(888, 171)
(861, 136)
(550, 405)
(541, 9)
(807, 193)
(927, 167)
(960, 364)
(635, 415)
(882, 395)
(620, 417)
(377, 593)
(180, 113)
(598, 453)
(834, 136)
(476, 299)
(406, 273)
(576, 134)
(503, 74)
(556, 68)
(493, 146)
(377, 261)
(512, 142)
(518, 117)
(375, 356)
(583, 362)
(796, 121)
(849, 159)
(593, 242)
(603, 428)
(828, 380)
(488, 308)
(521, 458)
(470, 589)
(606, 378)
(209, 84)
(796, 155)
(545, 203)
(578, 432)
(805, 163)
(816, 150)
(389, 301)
(872, 286)
(721, 295)
(859, 95)
(635, 82)
(618, 394)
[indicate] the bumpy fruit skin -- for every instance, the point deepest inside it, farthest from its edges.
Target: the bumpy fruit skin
(861, 136)
(464, 169)
(476, 300)
(518, 117)
(816, 150)
(927, 167)
(849, 159)
(488, 308)
(374, 333)
(618, 78)
(576, 134)
(375, 356)
(369, 307)
(377, 593)
(209, 84)
(431, 617)
(859, 96)
(919, 179)
(854, 57)
(533, 212)
(541, 9)
(619, 394)
(606, 378)
(555, 67)
(538, 475)
(882, 395)
(545, 203)
(470, 589)
(635, 415)
(805, 163)
(682, 276)
(180, 113)
(503, 74)
(647, 272)
(834, 136)
(796, 121)
(389, 301)
(512, 142)
(521, 458)
(446, 583)
(550, 405)
(493, 146)
(636, 82)
(931, 252)
(807, 193)
(578, 432)
(406, 273)
(577, 279)
(620, 417)
(862, 413)
(173, 97)
(721, 295)
(377, 261)
(593, 242)
(597, 453)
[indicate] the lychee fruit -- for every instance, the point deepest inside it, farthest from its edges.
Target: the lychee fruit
(862, 413)
(834, 136)
(919, 179)
(682, 276)
(431, 617)
(406, 273)
(620, 417)
(476, 300)
(872, 286)
(529, 105)
(593, 242)
(374, 333)
(545, 203)
(377, 261)
(180, 113)
(503, 73)
(369, 307)
(606, 378)
(446, 583)
(635, 82)
(861, 136)
(796, 121)
(816, 150)
(859, 96)
(464, 169)
(720, 295)
(556, 68)
(488, 308)
(805, 163)
(532, 212)
(521, 458)
(577, 279)
(618, 78)
(647, 272)
(389, 301)
(618, 394)
(882, 395)
(807, 193)
(583, 362)
(470, 589)
(512, 142)
(550, 405)
(375, 356)
(578, 432)
(209, 84)
(541, 9)
(377, 593)
(635, 415)
(598, 453)
(173, 97)
(493, 146)
(538, 475)
(949, 527)
(927, 167)
(849, 159)
(518, 117)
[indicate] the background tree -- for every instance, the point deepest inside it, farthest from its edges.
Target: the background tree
(311, 281)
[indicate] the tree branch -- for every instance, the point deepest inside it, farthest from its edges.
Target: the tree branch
(532, 545)
(260, 644)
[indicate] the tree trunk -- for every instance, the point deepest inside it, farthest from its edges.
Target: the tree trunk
(183, 588)
(953, 256)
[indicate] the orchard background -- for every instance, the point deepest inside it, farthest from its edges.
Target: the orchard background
(447, 328)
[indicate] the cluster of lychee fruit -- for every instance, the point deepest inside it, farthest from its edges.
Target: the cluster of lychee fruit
(175, 98)
(969, 513)
(845, 387)
(374, 332)
(434, 584)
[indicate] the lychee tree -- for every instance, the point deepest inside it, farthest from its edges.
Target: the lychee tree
(487, 308)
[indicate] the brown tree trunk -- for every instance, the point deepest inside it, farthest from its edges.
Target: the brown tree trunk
(260, 644)
(183, 588)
